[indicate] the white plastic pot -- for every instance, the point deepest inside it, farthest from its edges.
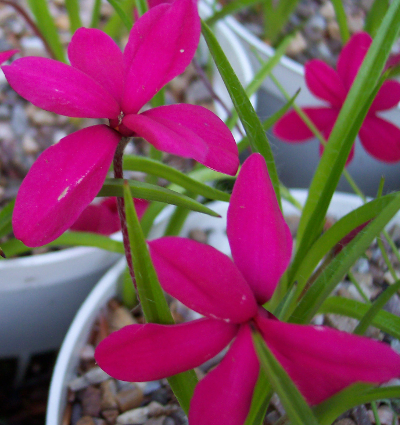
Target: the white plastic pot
(297, 162)
(40, 295)
(68, 358)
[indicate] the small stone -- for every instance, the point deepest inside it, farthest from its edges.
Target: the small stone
(87, 352)
(41, 117)
(129, 399)
(297, 45)
(86, 420)
(62, 22)
(110, 415)
(4, 112)
(197, 92)
(32, 46)
(356, 22)
(119, 318)
(271, 418)
(389, 278)
(161, 396)
(108, 395)
(328, 11)
(334, 30)
(385, 414)
(156, 421)
(151, 386)
(91, 399)
(93, 376)
(135, 416)
(76, 413)
(198, 235)
(19, 120)
(317, 23)
(345, 421)
(29, 145)
(346, 324)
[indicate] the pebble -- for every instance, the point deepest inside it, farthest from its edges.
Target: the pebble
(29, 145)
(197, 92)
(91, 401)
(385, 414)
(120, 317)
(93, 376)
(138, 416)
(19, 120)
(356, 22)
(130, 398)
(110, 415)
(87, 352)
(344, 421)
(40, 117)
(328, 11)
(32, 46)
(108, 395)
(297, 45)
(198, 235)
(86, 420)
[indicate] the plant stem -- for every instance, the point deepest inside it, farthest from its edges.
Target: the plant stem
(119, 174)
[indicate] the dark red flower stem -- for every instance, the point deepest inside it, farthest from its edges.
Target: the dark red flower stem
(31, 23)
(119, 174)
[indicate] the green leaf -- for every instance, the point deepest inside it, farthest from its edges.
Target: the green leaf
(229, 9)
(269, 122)
(331, 276)
(334, 235)
(353, 396)
(177, 220)
(156, 168)
(15, 247)
(385, 321)
(341, 19)
(375, 16)
(343, 134)
(125, 18)
(259, 403)
(251, 123)
(141, 7)
(94, 22)
(5, 218)
(114, 187)
(284, 10)
(113, 27)
(296, 407)
(377, 305)
(154, 305)
(75, 22)
(47, 27)
(264, 71)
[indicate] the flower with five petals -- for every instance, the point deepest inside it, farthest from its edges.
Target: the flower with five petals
(380, 138)
(103, 82)
(321, 361)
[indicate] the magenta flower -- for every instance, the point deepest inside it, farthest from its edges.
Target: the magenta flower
(320, 360)
(7, 55)
(103, 82)
(380, 138)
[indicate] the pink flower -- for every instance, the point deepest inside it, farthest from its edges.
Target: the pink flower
(103, 82)
(7, 55)
(380, 138)
(103, 218)
(321, 361)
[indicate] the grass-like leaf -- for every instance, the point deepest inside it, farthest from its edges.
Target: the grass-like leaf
(251, 123)
(341, 19)
(154, 305)
(114, 187)
(229, 9)
(114, 26)
(331, 276)
(383, 320)
(75, 22)
(5, 219)
(375, 16)
(15, 247)
(156, 168)
(94, 22)
(296, 407)
(47, 27)
(125, 18)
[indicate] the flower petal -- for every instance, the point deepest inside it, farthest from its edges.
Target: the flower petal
(388, 97)
(59, 88)
(150, 352)
(202, 278)
(98, 218)
(324, 82)
(97, 55)
(150, 63)
(7, 55)
(224, 396)
(322, 361)
(61, 183)
(352, 56)
(381, 139)
(260, 239)
(189, 131)
(291, 128)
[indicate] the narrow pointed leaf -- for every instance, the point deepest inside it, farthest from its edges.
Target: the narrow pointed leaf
(5, 218)
(342, 138)
(294, 403)
(339, 266)
(75, 22)
(261, 396)
(229, 9)
(385, 321)
(150, 192)
(154, 305)
(47, 27)
(125, 18)
(251, 123)
(377, 305)
(375, 16)
(341, 19)
(94, 22)
(156, 168)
